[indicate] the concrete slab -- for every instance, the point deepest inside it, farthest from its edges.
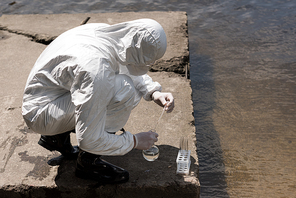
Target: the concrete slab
(24, 165)
(44, 28)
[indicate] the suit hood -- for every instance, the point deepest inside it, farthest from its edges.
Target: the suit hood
(136, 44)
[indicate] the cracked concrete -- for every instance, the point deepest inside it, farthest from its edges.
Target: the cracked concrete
(24, 165)
(39, 38)
(178, 64)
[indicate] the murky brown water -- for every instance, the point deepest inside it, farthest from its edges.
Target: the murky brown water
(245, 100)
(243, 72)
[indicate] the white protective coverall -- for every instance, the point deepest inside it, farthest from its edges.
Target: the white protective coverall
(89, 78)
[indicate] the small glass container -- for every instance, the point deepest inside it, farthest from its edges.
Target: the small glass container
(151, 154)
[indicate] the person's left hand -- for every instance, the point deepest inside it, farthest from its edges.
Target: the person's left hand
(164, 99)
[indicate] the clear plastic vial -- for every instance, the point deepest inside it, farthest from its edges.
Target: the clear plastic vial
(151, 154)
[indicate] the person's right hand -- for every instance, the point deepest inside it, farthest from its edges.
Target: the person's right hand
(165, 100)
(145, 140)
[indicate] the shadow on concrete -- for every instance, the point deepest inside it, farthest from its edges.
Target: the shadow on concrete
(157, 178)
(210, 154)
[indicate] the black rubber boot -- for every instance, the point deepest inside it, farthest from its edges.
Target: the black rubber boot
(91, 166)
(61, 143)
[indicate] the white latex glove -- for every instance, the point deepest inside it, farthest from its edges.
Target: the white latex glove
(145, 140)
(164, 99)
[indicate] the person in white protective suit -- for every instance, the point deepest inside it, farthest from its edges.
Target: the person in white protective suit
(87, 81)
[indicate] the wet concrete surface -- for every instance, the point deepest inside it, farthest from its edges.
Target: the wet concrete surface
(24, 165)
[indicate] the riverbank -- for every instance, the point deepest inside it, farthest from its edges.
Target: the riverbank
(24, 164)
